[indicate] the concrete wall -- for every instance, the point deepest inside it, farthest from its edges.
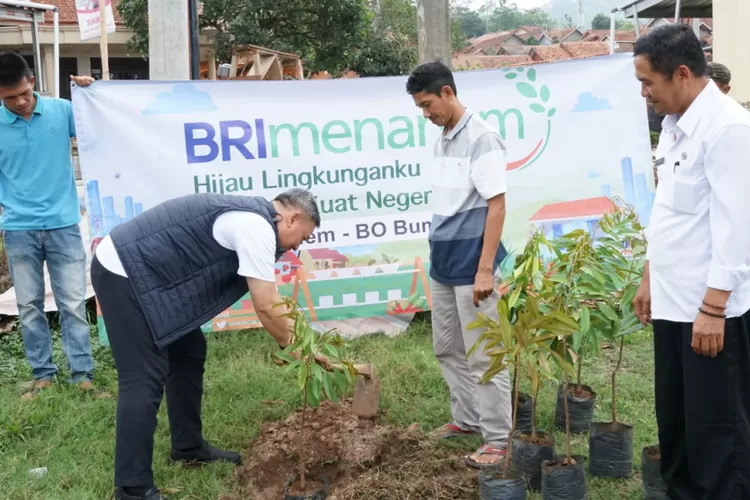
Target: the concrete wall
(731, 19)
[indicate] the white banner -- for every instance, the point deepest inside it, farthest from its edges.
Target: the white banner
(89, 19)
(576, 134)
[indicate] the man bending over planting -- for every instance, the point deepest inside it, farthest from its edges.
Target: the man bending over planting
(465, 248)
(158, 278)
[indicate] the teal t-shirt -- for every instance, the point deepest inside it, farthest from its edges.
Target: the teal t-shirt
(37, 180)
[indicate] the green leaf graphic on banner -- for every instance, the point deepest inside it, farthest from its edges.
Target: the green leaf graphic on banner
(511, 76)
(531, 74)
(537, 108)
(544, 93)
(526, 89)
(551, 112)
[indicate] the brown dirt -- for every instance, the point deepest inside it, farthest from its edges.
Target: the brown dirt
(653, 453)
(311, 486)
(579, 392)
(540, 440)
(360, 459)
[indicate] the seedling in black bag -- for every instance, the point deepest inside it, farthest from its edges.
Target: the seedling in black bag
(523, 333)
(611, 443)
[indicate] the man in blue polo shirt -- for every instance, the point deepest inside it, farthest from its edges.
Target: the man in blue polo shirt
(40, 216)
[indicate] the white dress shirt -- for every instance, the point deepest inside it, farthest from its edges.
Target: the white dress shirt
(699, 234)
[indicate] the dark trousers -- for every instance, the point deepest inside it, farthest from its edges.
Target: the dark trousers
(703, 412)
(142, 372)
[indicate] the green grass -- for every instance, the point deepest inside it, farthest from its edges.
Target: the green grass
(73, 435)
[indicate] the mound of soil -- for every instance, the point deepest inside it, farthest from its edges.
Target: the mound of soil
(360, 459)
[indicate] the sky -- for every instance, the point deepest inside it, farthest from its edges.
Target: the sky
(523, 4)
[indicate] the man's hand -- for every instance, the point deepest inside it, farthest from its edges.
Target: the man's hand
(708, 335)
(483, 285)
(82, 81)
(642, 301)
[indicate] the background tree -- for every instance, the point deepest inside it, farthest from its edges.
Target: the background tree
(469, 21)
(304, 27)
(600, 22)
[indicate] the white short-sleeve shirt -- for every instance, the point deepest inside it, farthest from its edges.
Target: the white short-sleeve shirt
(246, 233)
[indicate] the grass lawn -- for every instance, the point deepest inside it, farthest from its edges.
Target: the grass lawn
(73, 435)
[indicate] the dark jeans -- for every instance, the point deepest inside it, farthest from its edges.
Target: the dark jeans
(142, 372)
(703, 412)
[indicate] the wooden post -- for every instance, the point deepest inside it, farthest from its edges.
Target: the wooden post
(103, 38)
(425, 282)
(306, 292)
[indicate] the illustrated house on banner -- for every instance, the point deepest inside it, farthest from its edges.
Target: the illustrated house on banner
(286, 267)
(325, 258)
(558, 219)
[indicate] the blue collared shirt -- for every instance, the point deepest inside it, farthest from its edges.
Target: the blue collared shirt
(37, 180)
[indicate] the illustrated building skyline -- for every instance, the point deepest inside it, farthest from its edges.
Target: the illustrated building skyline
(102, 214)
(636, 190)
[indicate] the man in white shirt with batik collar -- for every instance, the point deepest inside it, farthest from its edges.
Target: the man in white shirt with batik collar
(696, 288)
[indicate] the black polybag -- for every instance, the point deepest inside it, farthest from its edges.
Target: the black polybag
(523, 415)
(610, 453)
(493, 486)
(527, 459)
(654, 487)
(581, 410)
(567, 482)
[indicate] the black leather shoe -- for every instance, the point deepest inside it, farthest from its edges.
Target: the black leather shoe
(205, 455)
(152, 494)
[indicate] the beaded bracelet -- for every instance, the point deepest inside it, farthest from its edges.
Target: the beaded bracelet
(713, 315)
(713, 306)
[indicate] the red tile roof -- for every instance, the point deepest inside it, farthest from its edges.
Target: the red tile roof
(515, 50)
(494, 40)
(549, 53)
(590, 207)
(327, 253)
(68, 14)
(524, 32)
(560, 34)
(586, 49)
(490, 62)
(292, 259)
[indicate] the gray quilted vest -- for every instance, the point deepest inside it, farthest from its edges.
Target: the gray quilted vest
(181, 276)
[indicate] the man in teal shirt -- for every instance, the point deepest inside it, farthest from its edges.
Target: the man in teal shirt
(40, 216)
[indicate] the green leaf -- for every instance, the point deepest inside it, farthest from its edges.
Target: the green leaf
(567, 367)
(328, 387)
(414, 296)
(608, 311)
(317, 371)
(313, 392)
(514, 297)
(285, 356)
(511, 76)
(551, 112)
(526, 90)
(302, 376)
(531, 74)
(341, 379)
(585, 320)
(537, 108)
(544, 93)
(329, 351)
(577, 338)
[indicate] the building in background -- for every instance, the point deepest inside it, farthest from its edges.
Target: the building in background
(77, 57)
